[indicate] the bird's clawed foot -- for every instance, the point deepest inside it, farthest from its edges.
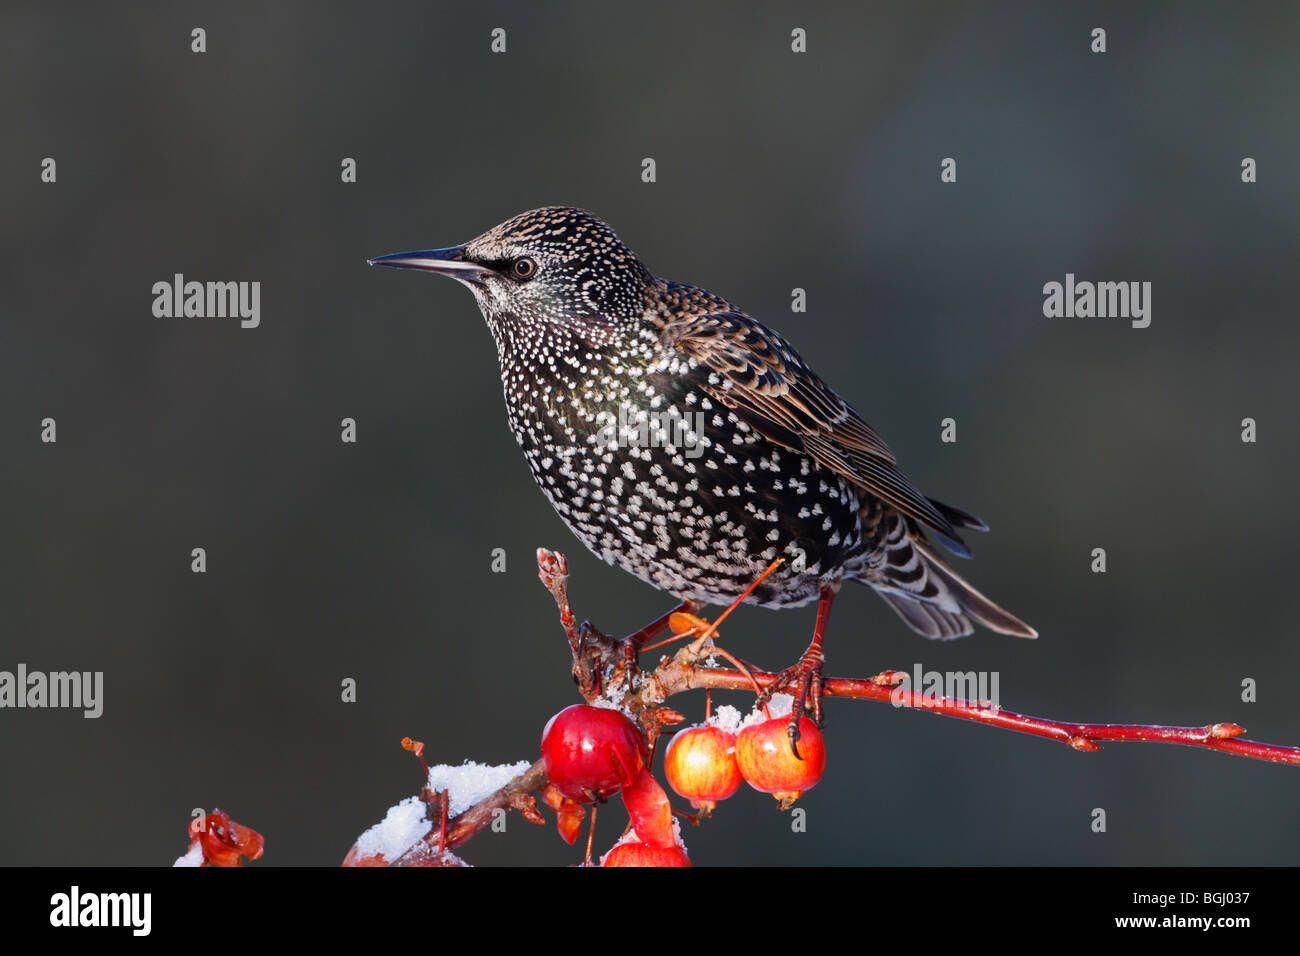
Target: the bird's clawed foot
(804, 681)
(805, 678)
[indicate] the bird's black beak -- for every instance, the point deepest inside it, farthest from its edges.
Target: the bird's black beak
(450, 262)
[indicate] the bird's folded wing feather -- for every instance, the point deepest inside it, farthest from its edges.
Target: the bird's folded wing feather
(757, 374)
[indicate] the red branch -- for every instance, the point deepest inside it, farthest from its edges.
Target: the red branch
(885, 687)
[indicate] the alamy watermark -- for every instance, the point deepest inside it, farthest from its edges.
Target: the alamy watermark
(638, 428)
(208, 300)
(977, 690)
(75, 908)
(1102, 300)
(80, 690)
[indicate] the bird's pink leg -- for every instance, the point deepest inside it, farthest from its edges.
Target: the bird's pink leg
(805, 677)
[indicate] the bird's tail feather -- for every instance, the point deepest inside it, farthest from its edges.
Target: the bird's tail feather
(959, 518)
(932, 598)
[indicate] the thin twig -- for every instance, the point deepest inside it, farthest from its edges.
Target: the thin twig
(1223, 737)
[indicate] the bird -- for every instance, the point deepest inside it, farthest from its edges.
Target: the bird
(689, 444)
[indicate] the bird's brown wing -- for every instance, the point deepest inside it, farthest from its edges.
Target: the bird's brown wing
(757, 374)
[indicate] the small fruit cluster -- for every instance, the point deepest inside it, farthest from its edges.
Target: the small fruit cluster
(706, 763)
(592, 753)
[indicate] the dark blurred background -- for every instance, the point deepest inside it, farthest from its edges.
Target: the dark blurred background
(775, 171)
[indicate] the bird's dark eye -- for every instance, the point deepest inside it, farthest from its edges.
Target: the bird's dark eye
(525, 267)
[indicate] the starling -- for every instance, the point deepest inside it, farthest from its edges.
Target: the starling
(690, 445)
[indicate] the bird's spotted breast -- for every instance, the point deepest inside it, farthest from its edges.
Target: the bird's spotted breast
(658, 478)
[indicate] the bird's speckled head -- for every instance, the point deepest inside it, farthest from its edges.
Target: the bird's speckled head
(554, 264)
